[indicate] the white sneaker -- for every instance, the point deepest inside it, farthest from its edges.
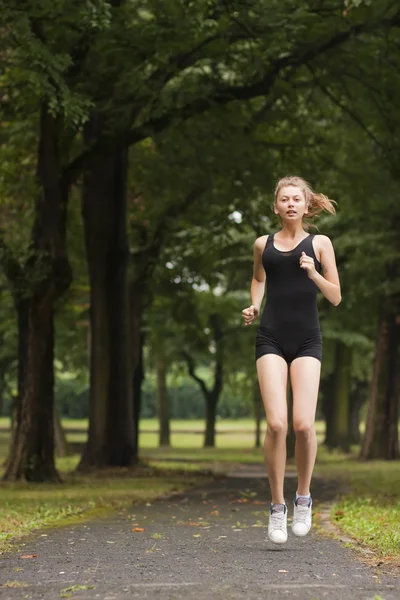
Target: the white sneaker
(302, 518)
(277, 526)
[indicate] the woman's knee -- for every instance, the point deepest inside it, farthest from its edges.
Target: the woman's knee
(303, 427)
(277, 427)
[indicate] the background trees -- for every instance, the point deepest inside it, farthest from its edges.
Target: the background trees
(170, 122)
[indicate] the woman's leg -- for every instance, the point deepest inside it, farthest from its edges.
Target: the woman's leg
(304, 376)
(272, 376)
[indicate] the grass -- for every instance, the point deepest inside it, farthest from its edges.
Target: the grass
(369, 511)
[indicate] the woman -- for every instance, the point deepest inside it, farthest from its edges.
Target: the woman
(289, 339)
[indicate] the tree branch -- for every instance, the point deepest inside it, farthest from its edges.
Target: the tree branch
(191, 369)
(347, 110)
(225, 94)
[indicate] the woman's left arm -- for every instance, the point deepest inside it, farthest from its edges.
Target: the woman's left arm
(328, 282)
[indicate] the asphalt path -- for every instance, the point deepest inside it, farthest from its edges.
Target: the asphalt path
(207, 544)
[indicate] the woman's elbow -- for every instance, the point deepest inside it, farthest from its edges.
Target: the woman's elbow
(336, 301)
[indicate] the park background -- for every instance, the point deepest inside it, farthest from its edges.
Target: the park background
(140, 145)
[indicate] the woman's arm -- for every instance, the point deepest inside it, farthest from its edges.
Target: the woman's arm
(328, 283)
(257, 282)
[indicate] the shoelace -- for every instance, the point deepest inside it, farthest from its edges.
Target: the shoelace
(301, 513)
(277, 520)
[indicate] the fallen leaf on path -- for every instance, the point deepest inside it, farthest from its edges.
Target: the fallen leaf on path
(29, 556)
(111, 542)
(214, 512)
(283, 571)
(138, 529)
(240, 501)
(196, 535)
(259, 502)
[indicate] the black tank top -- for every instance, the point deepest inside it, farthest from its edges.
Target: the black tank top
(291, 295)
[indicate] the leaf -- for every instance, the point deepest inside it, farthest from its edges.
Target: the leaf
(214, 512)
(137, 529)
(29, 556)
(283, 571)
(196, 535)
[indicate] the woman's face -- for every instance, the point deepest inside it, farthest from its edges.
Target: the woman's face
(291, 204)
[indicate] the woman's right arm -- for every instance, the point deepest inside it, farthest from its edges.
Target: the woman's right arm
(257, 282)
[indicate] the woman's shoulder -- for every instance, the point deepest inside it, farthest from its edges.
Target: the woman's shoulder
(260, 242)
(322, 241)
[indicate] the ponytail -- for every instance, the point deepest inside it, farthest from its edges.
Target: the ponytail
(319, 203)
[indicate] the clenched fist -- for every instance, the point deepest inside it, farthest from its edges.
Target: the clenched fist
(307, 263)
(249, 314)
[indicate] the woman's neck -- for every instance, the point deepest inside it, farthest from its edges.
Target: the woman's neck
(292, 231)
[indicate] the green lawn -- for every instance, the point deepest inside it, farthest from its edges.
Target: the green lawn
(231, 435)
(369, 512)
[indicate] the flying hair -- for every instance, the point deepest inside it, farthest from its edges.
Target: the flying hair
(316, 202)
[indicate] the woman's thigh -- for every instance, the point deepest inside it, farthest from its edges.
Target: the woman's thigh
(272, 373)
(305, 374)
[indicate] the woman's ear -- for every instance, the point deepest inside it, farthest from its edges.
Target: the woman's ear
(274, 208)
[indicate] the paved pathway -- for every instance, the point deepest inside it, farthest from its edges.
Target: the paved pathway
(208, 544)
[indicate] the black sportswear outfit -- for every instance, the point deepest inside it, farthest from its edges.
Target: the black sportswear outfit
(289, 322)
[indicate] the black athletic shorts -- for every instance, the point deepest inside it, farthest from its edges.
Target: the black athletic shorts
(289, 345)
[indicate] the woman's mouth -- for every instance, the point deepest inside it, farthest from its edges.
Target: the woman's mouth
(291, 212)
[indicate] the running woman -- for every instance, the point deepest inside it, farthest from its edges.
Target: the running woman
(295, 264)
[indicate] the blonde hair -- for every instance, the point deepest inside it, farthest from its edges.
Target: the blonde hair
(316, 202)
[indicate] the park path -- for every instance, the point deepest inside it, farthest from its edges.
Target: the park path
(207, 544)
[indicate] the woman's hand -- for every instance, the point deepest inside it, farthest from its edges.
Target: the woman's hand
(307, 263)
(249, 314)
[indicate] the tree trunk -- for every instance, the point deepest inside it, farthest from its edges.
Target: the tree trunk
(211, 414)
(44, 279)
(258, 412)
(370, 444)
(162, 401)
(328, 408)
(390, 433)
(136, 311)
(381, 434)
(357, 399)
(340, 436)
(111, 432)
(60, 439)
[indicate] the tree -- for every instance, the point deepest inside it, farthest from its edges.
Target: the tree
(179, 85)
(42, 54)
